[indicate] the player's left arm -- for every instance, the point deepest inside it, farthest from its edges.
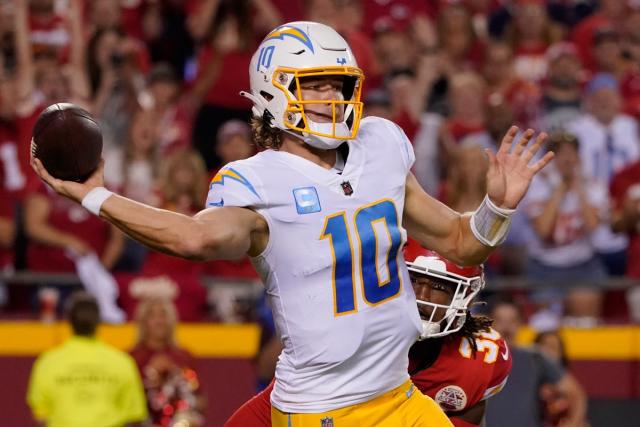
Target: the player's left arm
(450, 233)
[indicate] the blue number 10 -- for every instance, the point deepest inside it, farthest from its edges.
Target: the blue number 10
(375, 290)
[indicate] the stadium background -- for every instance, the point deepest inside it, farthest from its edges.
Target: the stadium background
(163, 78)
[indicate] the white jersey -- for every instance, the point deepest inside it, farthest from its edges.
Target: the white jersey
(333, 267)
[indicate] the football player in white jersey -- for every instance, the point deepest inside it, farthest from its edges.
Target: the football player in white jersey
(324, 211)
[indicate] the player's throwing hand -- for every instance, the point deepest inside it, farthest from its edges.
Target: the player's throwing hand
(73, 190)
(509, 173)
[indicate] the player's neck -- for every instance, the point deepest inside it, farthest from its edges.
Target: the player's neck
(323, 158)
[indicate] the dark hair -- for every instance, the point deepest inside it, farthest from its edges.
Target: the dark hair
(473, 325)
(93, 68)
(559, 138)
(83, 313)
(264, 135)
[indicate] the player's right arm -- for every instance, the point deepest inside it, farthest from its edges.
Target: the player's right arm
(220, 233)
(217, 233)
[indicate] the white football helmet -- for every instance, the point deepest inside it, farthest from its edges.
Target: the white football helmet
(294, 51)
(466, 282)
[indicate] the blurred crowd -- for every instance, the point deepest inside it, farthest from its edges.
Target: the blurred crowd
(163, 76)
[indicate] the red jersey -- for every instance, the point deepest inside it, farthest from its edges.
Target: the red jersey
(68, 217)
(12, 182)
(457, 380)
(626, 183)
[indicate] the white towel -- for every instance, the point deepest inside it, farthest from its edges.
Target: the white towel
(101, 284)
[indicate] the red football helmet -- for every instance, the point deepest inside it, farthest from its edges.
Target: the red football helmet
(468, 281)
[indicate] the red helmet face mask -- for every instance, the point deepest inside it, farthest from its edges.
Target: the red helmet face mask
(462, 284)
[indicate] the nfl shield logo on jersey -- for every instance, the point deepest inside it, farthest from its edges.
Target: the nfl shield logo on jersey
(326, 422)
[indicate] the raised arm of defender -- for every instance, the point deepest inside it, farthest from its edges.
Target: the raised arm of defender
(448, 232)
(221, 233)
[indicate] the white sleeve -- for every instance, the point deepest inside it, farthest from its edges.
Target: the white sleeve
(234, 185)
(406, 148)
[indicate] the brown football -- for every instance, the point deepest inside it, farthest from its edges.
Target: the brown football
(68, 142)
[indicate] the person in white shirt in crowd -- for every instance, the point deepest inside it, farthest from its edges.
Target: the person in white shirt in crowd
(562, 207)
(608, 142)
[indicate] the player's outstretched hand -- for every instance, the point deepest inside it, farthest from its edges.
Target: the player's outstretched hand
(73, 190)
(510, 173)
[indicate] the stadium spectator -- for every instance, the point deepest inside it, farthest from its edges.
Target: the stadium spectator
(394, 53)
(115, 63)
(530, 34)
(233, 142)
(503, 85)
(466, 184)
(85, 382)
(59, 230)
(229, 35)
(625, 192)
(183, 178)
(610, 14)
(168, 371)
(378, 103)
(48, 31)
(104, 14)
(40, 80)
(607, 53)
(562, 93)
(182, 186)
(346, 17)
(165, 33)
(608, 141)
(381, 15)
(563, 208)
(519, 402)
(437, 137)
(140, 161)
(630, 81)
(467, 120)
(458, 42)
(556, 404)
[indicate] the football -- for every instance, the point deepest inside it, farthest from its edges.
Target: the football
(68, 142)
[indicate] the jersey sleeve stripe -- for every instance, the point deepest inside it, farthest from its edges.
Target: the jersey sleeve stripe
(233, 174)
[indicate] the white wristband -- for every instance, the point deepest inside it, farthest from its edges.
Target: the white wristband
(490, 223)
(95, 198)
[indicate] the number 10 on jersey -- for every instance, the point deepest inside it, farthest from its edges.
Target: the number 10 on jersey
(374, 289)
